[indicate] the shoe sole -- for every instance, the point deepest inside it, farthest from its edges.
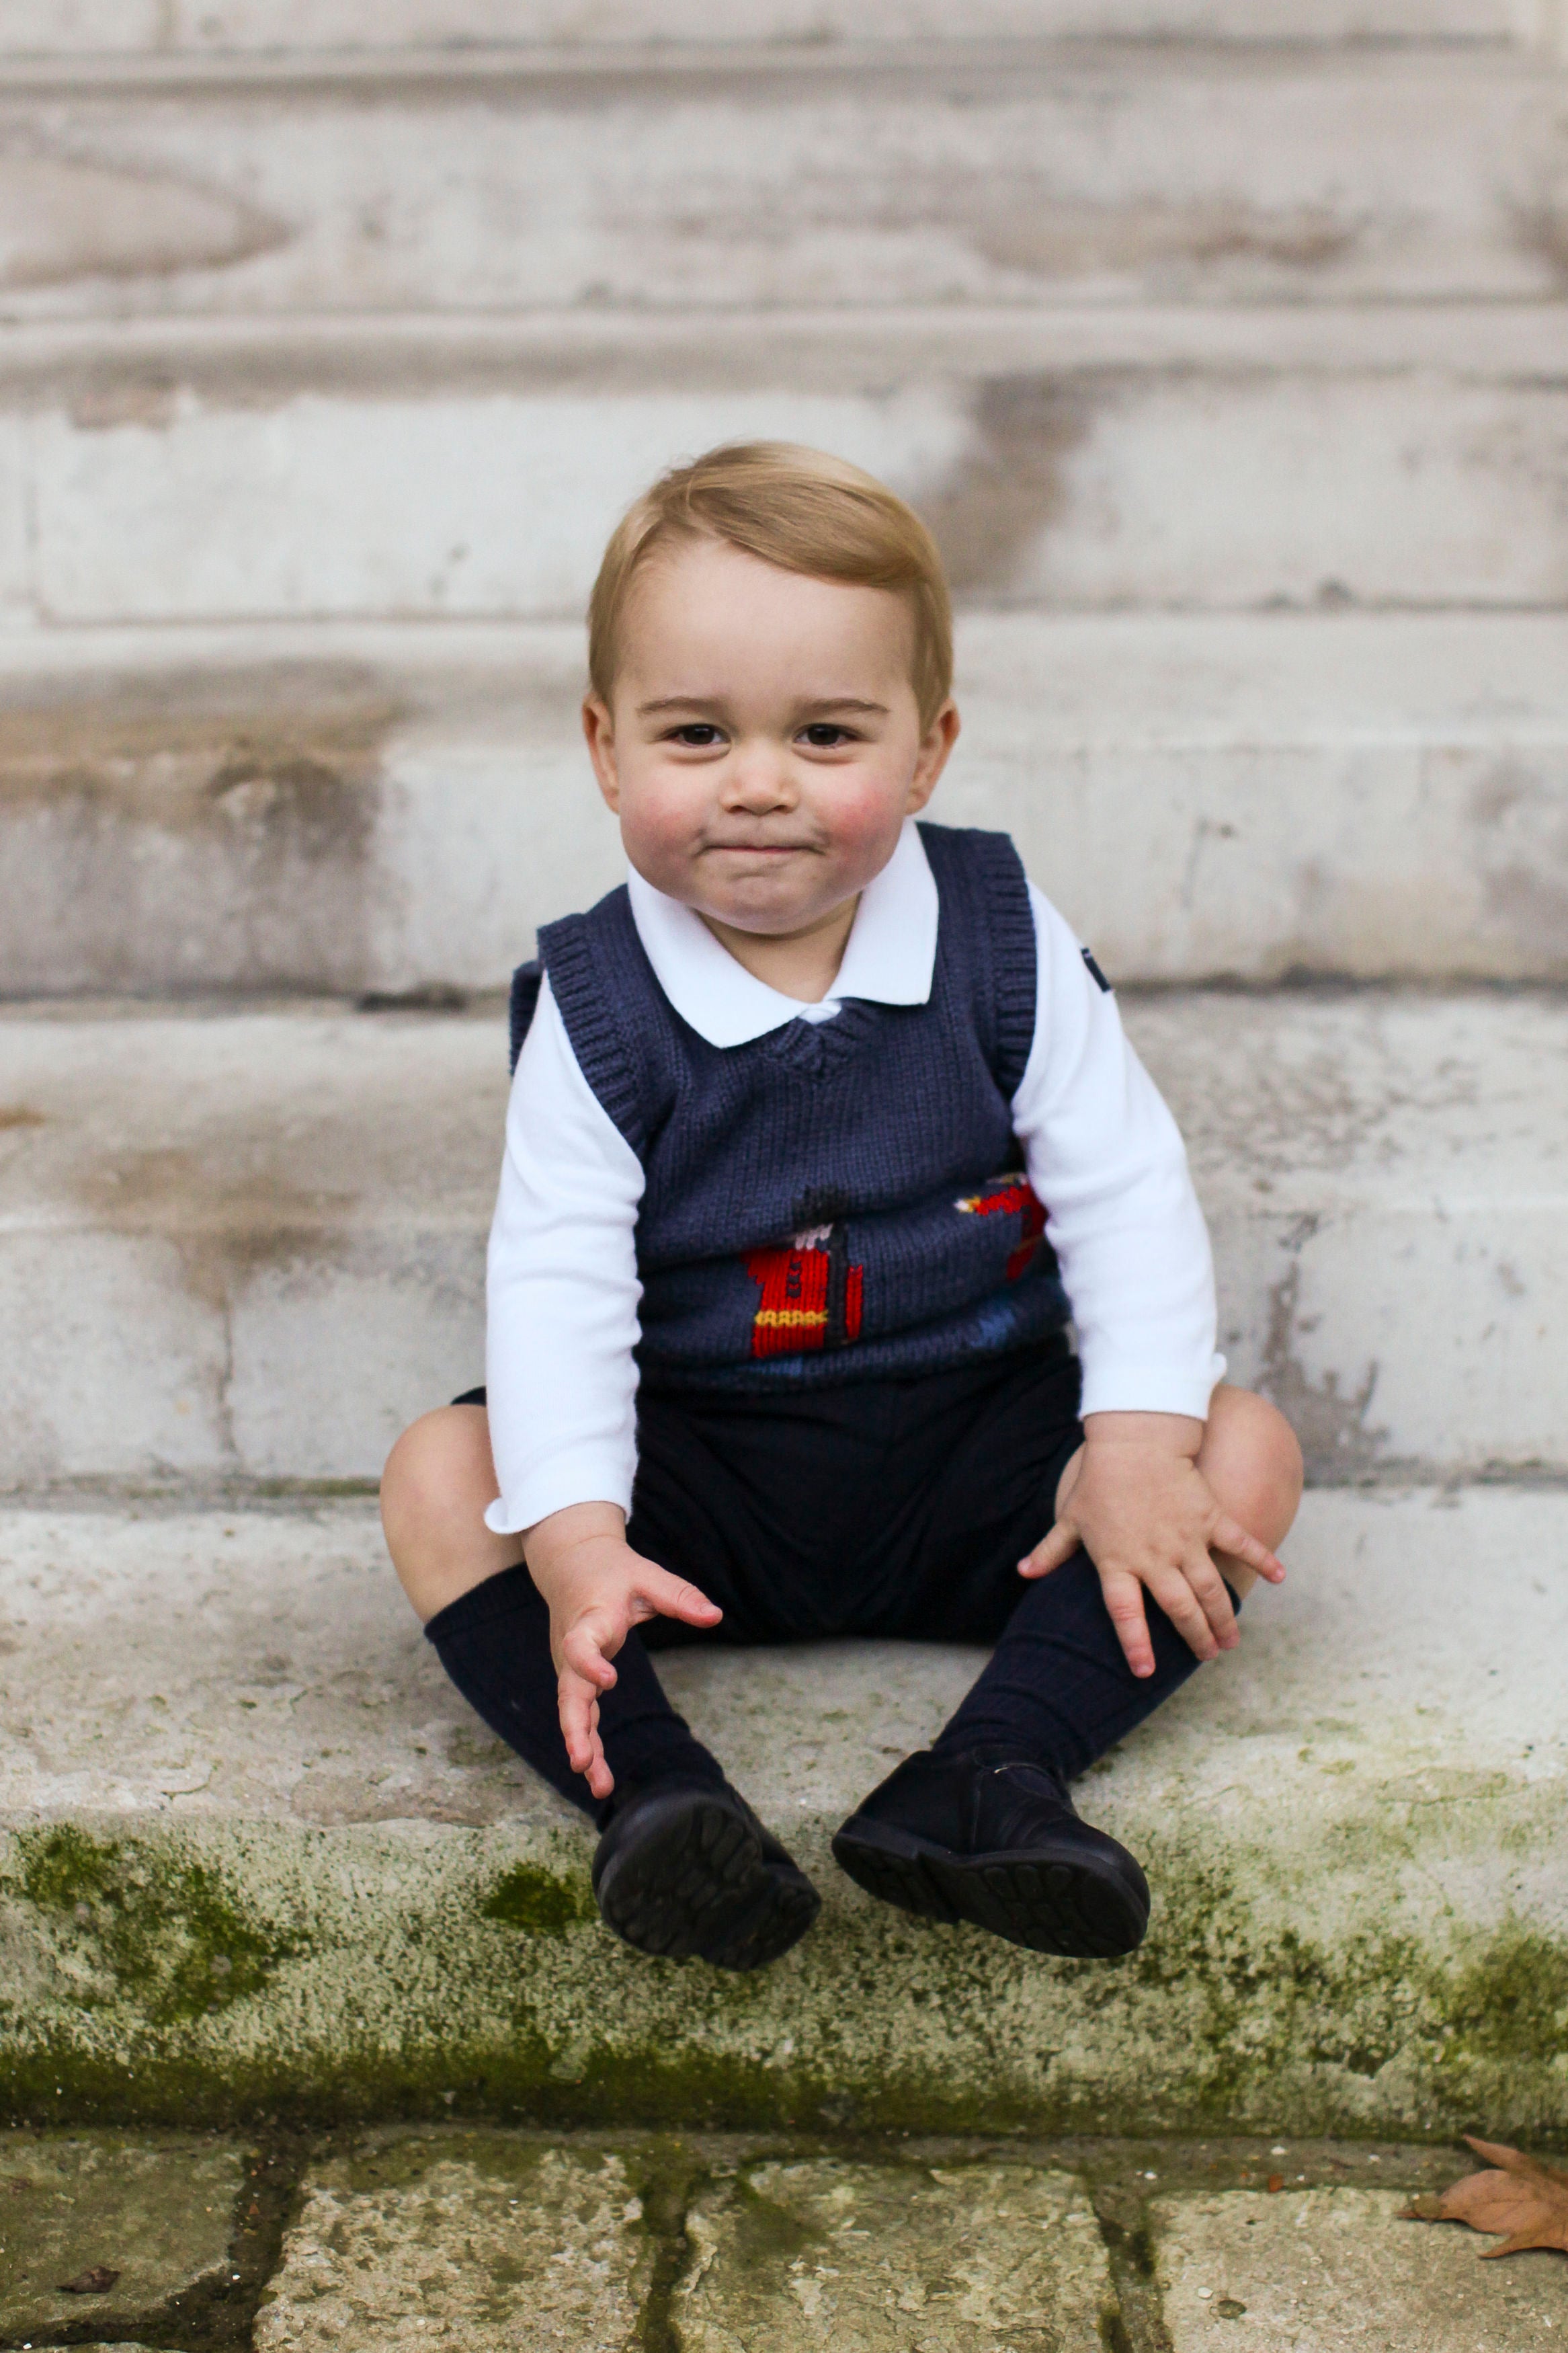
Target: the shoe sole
(694, 1884)
(1050, 1899)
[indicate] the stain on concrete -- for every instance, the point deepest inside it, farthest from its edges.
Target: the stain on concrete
(1541, 230)
(13, 1116)
(1010, 485)
(190, 830)
(1037, 232)
(69, 218)
(228, 1206)
(1521, 819)
(149, 401)
(1336, 1439)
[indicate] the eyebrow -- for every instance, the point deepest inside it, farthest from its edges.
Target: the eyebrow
(807, 710)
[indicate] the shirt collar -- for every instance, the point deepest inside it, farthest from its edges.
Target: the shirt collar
(889, 957)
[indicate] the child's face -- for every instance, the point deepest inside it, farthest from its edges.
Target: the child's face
(766, 746)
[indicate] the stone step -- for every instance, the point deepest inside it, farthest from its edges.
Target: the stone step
(959, 173)
(248, 1247)
(1405, 457)
(258, 1859)
(160, 30)
(343, 809)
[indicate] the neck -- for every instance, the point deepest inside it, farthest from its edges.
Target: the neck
(803, 965)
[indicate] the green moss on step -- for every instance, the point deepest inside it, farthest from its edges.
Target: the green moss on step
(164, 1931)
(1510, 2001)
(537, 1901)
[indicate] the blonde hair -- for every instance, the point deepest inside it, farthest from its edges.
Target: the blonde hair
(799, 509)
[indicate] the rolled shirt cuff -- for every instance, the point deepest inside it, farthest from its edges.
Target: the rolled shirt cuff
(584, 1474)
(1118, 1386)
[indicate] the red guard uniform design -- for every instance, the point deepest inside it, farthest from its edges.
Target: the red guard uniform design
(811, 1295)
(1006, 1196)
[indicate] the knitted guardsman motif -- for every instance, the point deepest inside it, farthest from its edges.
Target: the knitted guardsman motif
(812, 1297)
(1011, 1196)
(817, 1202)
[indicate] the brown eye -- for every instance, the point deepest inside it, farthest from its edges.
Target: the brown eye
(823, 736)
(698, 734)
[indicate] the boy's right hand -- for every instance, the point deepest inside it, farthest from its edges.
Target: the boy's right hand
(598, 1589)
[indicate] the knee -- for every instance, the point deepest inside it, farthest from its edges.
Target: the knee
(438, 1477)
(1252, 1460)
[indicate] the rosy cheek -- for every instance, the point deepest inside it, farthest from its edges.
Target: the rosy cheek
(863, 816)
(659, 814)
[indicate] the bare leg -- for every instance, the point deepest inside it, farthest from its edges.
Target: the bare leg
(439, 1482)
(1252, 1461)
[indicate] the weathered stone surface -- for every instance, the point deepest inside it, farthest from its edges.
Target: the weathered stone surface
(1336, 2271)
(962, 173)
(1097, 488)
(480, 2241)
(268, 1267)
(823, 2256)
(259, 1854)
(42, 28)
(157, 2214)
(398, 807)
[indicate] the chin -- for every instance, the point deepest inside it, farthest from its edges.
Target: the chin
(762, 918)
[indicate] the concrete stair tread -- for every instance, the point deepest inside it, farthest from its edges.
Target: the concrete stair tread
(269, 1226)
(226, 1724)
(962, 173)
(393, 806)
(98, 29)
(1359, 467)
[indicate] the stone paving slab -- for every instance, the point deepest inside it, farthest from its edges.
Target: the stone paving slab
(157, 2213)
(1336, 2271)
(824, 2256)
(478, 2241)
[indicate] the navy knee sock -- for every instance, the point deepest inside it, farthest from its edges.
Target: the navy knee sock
(494, 1642)
(1059, 1690)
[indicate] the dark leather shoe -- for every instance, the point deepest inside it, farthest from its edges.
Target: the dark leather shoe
(997, 1842)
(689, 1873)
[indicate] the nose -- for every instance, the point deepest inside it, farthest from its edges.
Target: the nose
(757, 778)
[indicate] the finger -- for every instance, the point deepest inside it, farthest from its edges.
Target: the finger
(1179, 1603)
(1051, 1551)
(582, 1652)
(579, 1709)
(1228, 1535)
(664, 1595)
(1124, 1600)
(1213, 1598)
(585, 1746)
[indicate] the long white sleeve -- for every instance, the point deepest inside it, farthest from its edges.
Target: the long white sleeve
(1105, 1157)
(562, 1292)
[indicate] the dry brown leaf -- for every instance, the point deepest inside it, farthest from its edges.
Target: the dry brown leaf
(96, 2281)
(1522, 2199)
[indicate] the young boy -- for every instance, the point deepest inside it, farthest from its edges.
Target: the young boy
(822, 1128)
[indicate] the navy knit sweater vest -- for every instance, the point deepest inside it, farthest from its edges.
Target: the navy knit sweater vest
(835, 1200)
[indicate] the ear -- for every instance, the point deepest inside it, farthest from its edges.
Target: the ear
(931, 757)
(599, 733)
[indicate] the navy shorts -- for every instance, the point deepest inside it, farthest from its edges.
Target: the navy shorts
(898, 1508)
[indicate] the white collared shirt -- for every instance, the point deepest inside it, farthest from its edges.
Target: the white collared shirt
(1101, 1150)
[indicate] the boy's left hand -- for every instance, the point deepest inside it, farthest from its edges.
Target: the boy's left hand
(1143, 1512)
